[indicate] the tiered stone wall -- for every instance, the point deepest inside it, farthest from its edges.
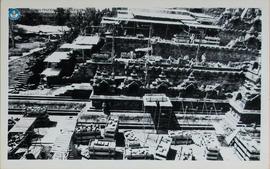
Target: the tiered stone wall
(166, 49)
(124, 44)
(213, 54)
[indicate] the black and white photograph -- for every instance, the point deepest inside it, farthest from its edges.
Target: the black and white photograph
(135, 83)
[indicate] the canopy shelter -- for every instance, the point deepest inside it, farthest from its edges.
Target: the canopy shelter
(82, 43)
(161, 15)
(57, 57)
(23, 125)
(189, 23)
(109, 22)
(86, 40)
(75, 46)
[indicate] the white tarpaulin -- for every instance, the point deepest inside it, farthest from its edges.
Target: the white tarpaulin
(51, 72)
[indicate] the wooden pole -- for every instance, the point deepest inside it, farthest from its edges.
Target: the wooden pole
(198, 49)
(166, 31)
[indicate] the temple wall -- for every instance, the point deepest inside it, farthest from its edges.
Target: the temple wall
(227, 35)
(137, 104)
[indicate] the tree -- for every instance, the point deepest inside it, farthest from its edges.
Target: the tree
(30, 17)
(60, 17)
